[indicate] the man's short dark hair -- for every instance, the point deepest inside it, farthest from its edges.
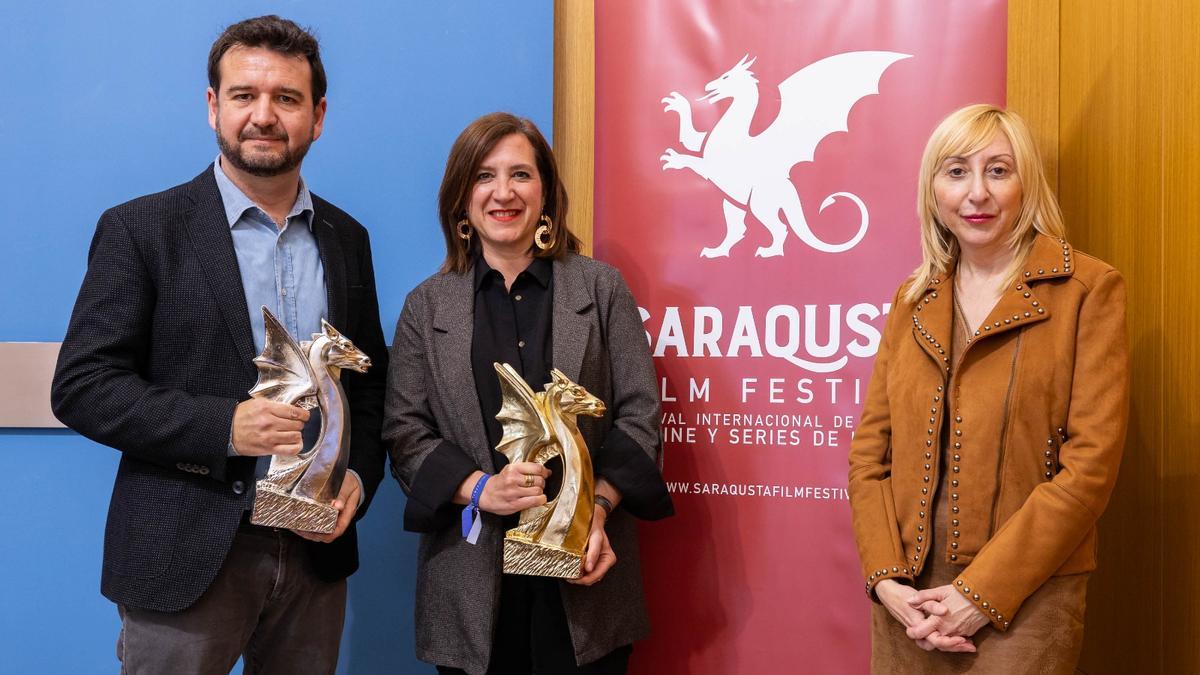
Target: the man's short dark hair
(274, 33)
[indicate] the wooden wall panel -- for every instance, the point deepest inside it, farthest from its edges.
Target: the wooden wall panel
(1128, 139)
(575, 108)
(1033, 49)
(1110, 187)
(1180, 69)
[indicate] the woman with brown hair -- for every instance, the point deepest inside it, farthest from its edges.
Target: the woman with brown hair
(994, 422)
(514, 290)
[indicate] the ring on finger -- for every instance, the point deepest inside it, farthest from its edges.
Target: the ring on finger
(528, 480)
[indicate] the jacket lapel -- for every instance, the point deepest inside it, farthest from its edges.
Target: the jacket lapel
(334, 263)
(1019, 305)
(933, 319)
(572, 325)
(453, 326)
(209, 233)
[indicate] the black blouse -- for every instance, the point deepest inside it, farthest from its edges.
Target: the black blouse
(515, 326)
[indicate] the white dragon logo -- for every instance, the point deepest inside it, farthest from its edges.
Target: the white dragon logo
(753, 171)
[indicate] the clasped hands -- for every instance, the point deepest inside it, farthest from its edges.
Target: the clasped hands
(935, 618)
(265, 428)
(521, 485)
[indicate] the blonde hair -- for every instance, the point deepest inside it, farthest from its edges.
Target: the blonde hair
(963, 132)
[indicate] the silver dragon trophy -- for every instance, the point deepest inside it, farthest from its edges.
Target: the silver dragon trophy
(298, 492)
(550, 539)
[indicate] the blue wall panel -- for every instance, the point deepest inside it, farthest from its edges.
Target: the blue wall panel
(105, 102)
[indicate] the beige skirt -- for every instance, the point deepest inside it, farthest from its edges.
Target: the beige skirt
(1046, 635)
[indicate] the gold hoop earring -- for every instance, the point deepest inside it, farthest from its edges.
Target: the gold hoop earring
(465, 230)
(543, 237)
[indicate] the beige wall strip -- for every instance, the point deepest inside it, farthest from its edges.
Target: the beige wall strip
(27, 369)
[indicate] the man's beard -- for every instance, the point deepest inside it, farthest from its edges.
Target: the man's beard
(263, 165)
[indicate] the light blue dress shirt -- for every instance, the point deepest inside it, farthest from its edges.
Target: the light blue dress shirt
(281, 269)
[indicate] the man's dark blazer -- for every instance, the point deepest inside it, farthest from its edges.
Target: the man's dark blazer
(157, 356)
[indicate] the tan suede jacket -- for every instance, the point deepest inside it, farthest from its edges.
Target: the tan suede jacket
(1041, 403)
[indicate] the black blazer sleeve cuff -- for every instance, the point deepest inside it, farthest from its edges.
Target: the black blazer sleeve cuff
(622, 462)
(430, 502)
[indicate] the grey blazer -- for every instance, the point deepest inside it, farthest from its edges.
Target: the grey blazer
(598, 341)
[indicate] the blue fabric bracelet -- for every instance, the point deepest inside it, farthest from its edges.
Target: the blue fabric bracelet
(471, 523)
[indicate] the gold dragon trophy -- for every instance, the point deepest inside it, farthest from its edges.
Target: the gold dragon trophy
(550, 539)
(298, 492)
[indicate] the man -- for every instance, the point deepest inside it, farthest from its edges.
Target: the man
(157, 364)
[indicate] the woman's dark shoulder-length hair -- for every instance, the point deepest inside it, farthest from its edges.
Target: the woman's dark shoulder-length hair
(454, 196)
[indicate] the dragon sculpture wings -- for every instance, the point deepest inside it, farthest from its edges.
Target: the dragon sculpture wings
(526, 430)
(284, 373)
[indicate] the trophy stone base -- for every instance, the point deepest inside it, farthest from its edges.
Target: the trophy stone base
(274, 508)
(540, 560)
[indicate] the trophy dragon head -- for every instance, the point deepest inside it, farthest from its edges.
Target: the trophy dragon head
(339, 351)
(571, 397)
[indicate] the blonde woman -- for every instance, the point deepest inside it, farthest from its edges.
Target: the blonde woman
(992, 431)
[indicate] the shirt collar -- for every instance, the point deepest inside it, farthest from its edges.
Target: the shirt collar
(540, 269)
(237, 203)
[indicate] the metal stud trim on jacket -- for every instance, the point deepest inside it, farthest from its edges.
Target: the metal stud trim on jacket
(989, 610)
(896, 572)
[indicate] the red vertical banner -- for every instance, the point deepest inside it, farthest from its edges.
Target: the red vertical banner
(756, 169)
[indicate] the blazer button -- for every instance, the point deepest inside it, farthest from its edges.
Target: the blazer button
(204, 471)
(239, 487)
(181, 466)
